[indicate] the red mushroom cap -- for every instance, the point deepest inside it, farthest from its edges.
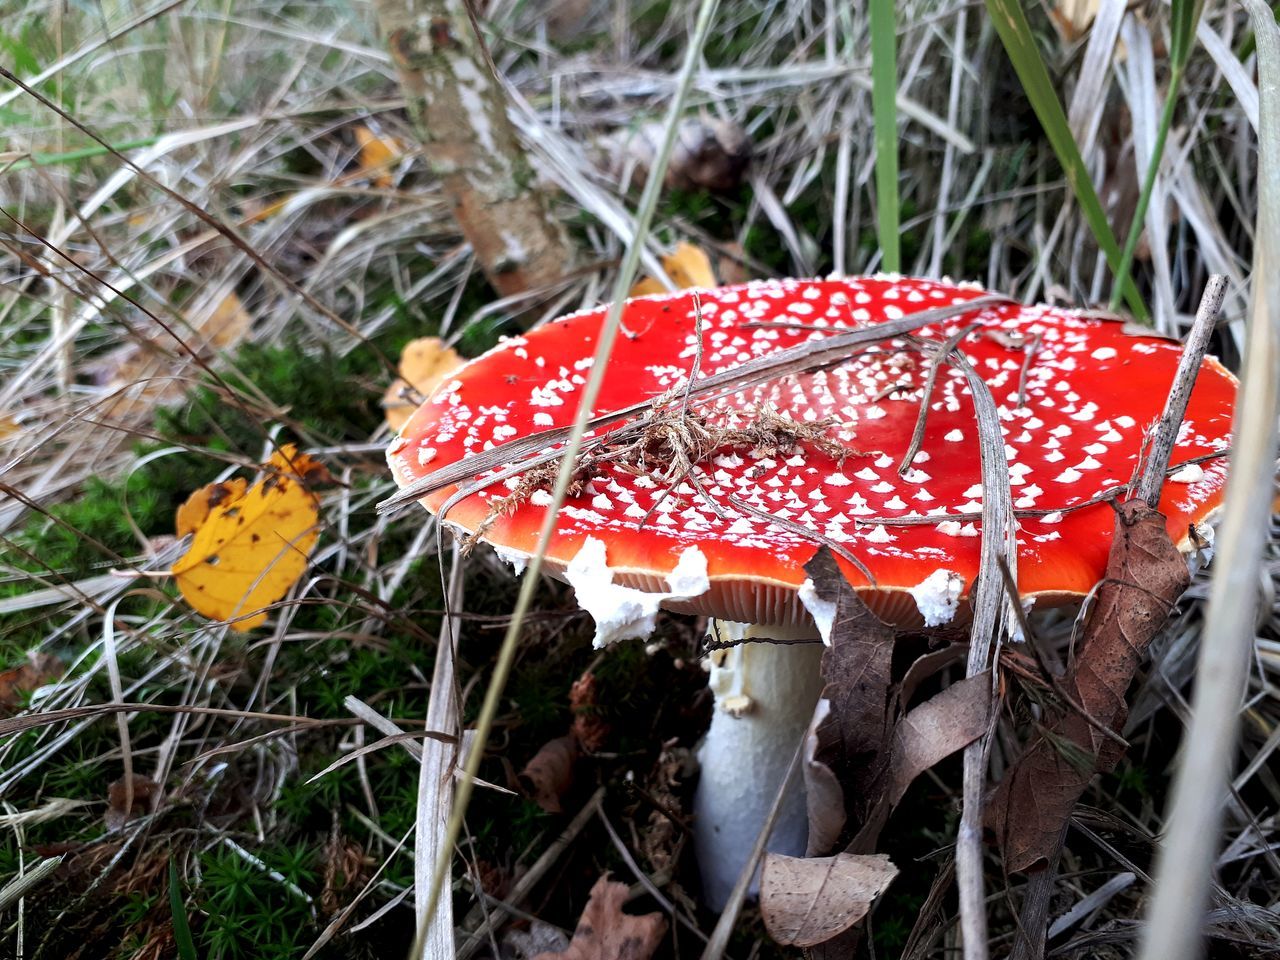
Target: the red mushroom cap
(1091, 390)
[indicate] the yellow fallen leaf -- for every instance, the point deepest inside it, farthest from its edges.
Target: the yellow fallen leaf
(687, 266)
(423, 364)
(8, 426)
(378, 155)
(250, 543)
(223, 324)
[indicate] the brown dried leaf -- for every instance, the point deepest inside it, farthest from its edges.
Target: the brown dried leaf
(730, 267)
(1145, 577)
(588, 729)
(940, 726)
(549, 775)
(1072, 18)
(124, 805)
(604, 932)
(805, 902)
(856, 668)
(221, 324)
(40, 668)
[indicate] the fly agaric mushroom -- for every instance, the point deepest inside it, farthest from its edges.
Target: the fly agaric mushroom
(715, 505)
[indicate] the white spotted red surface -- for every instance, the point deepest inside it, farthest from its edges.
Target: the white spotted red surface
(1091, 391)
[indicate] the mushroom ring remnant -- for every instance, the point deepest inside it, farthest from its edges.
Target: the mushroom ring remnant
(718, 511)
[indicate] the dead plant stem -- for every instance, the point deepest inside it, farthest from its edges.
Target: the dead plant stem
(1184, 866)
(1166, 432)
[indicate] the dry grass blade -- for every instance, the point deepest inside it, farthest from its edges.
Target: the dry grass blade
(998, 547)
(18, 887)
(45, 718)
(435, 777)
(1184, 867)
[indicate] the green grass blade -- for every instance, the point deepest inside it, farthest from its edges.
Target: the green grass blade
(181, 929)
(74, 156)
(1015, 33)
(1148, 185)
(1184, 17)
(884, 109)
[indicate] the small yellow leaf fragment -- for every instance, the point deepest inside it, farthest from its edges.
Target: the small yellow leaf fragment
(1072, 18)
(378, 155)
(250, 543)
(223, 324)
(687, 266)
(424, 363)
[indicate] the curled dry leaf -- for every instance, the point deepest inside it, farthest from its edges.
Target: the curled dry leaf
(805, 902)
(604, 932)
(588, 729)
(549, 775)
(40, 668)
(1146, 574)
(215, 321)
(250, 544)
(824, 797)
(709, 154)
(125, 804)
(423, 364)
(687, 266)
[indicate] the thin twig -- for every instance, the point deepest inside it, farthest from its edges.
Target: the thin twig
(802, 531)
(1165, 434)
(530, 877)
(917, 434)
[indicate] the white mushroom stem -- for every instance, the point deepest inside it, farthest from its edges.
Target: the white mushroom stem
(765, 697)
